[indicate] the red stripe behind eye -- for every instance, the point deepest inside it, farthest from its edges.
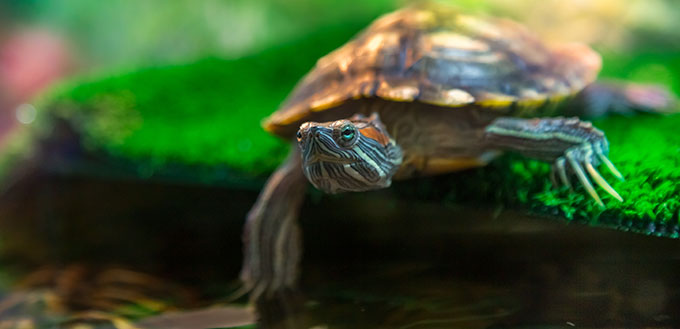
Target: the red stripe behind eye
(375, 134)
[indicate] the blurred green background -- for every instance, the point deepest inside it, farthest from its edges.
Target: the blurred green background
(131, 34)
(169, 95)
(176, 90)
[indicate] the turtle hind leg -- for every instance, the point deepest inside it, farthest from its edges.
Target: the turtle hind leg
(271, 237)
(601, 98)
(572, 146)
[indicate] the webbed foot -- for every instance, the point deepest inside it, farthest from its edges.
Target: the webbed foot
(571, 145)
(581, 160)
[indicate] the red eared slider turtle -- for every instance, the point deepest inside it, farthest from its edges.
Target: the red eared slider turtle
(424, 91)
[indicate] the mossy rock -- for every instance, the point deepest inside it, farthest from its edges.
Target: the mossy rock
(199, 122)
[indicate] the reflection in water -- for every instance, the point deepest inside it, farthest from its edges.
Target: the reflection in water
(372, 260)
(552, 296)
(485, 271)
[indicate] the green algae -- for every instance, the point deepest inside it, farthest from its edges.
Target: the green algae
(647, 152)
(643, 147)
(206, 115)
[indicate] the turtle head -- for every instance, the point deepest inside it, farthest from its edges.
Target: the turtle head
(348, 155)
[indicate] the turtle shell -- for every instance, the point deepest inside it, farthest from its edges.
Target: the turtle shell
(436, 55)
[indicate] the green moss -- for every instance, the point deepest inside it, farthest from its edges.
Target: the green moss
(206, 115)
(647, 151)
(644, 148)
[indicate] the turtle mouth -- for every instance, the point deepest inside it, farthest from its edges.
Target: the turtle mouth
(321, 158)
(317, 169)
(326, 174)
(346, 176)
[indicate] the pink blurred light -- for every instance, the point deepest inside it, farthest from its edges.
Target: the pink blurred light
(29, 61)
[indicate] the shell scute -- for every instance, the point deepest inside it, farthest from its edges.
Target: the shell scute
(436, 55)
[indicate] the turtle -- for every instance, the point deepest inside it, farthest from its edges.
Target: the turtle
(428, 90)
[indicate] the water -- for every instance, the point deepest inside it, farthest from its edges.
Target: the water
(372, 260)
(490, 269)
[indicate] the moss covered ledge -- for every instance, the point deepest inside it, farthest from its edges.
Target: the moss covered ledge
(200, 121)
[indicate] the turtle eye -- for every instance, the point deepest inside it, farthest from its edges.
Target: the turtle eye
(347, 133)
(298, 135)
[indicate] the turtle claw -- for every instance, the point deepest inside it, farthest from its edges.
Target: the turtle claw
(603, 183)
(581, 162)
(562, 171)
(576, 167)
(607, 162)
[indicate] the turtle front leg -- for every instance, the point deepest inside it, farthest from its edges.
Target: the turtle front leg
(271, 237)
(569, 144)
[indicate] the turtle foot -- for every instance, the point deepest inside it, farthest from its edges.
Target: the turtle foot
(584, 158)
